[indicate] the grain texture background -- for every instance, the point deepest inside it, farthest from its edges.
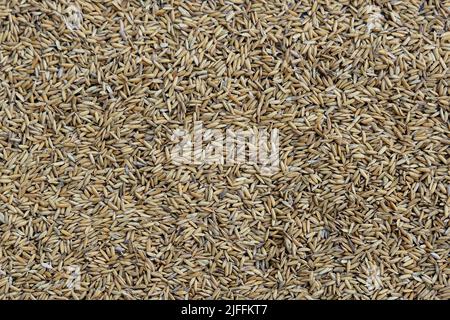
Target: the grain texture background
(92, 207)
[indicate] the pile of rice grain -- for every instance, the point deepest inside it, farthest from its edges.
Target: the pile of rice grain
(91, 205)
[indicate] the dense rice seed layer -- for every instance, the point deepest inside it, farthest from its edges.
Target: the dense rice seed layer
(91, 205)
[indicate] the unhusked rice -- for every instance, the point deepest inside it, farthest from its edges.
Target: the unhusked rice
(91, 205)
